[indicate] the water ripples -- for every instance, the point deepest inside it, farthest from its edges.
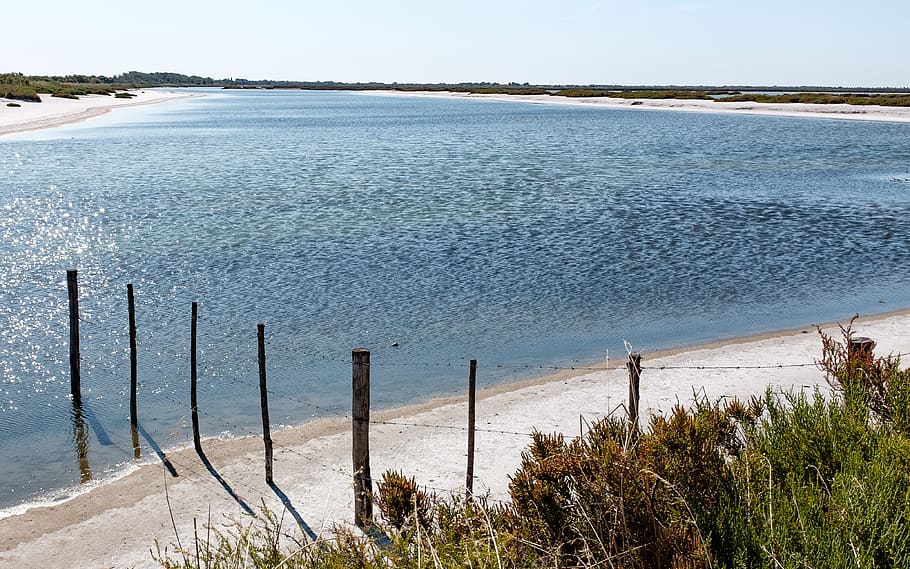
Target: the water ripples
(456, 229)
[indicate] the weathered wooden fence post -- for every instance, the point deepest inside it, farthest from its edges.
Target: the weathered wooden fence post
(194, 406)
(634, 365)
(472, 396)
(134, 382)
(134, 375)
(72, 286)
(360, 414)
(264, 402)
(861, 348)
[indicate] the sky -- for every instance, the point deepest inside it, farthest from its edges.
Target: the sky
(583, 42)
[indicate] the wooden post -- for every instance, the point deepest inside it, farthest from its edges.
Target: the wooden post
(134, 376)
(860, 348)
(72, 286)
(634, 365)
(472, 393)
(264, 402)
(360, 414)
(134, 416)
(194, 406)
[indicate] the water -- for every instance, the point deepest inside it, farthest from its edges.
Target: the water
(507, 232)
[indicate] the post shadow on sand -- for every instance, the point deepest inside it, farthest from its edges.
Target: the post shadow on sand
(290, 508)
(157, 449)
(227, 487)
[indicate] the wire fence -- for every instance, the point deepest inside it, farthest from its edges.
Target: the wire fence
(500, 436)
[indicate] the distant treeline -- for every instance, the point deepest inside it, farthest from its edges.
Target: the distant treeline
(26, 88)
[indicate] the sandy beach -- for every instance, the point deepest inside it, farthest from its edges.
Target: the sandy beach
(115, 523)
(837, 111)
(55, 111)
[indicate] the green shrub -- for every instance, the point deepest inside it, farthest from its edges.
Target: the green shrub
(13, 105)
(124, 95)
(19, 92)
(401, 501)
(887, 100)
(646, 94)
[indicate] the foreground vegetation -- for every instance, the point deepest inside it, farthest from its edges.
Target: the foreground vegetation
(780, 481)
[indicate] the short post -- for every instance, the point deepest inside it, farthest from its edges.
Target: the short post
(472, 396)
(194, 406)
(634, 365)
(860, 348)
(360, 413)
(264, 402)
(72, 286)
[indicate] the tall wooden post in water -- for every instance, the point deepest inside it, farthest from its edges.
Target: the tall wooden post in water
(134, 374)
(72, 286)
(264, 403)
(134, 380)
(194, 404)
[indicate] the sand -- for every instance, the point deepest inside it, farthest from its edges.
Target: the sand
(837, 111)
(55, 111)
(115, 524)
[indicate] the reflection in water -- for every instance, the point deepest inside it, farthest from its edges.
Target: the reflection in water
(137, 452)
(80, 444)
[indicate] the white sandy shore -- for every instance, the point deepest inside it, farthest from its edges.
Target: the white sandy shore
(115, 524)
(838, 111)
(56, 111)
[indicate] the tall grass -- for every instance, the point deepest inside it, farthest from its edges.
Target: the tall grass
(642, 94)
(886, 100)
(793, 480)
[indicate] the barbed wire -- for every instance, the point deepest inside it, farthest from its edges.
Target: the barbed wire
(448, 427)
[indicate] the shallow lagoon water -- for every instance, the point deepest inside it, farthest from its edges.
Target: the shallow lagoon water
(516, 234)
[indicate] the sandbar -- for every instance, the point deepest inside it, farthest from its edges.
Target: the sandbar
(114, 524)
(56, 111)
(834, 111)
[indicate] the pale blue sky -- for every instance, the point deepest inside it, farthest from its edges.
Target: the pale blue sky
(774, 42)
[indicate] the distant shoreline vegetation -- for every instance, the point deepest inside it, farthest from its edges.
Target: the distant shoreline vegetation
(16, 86)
